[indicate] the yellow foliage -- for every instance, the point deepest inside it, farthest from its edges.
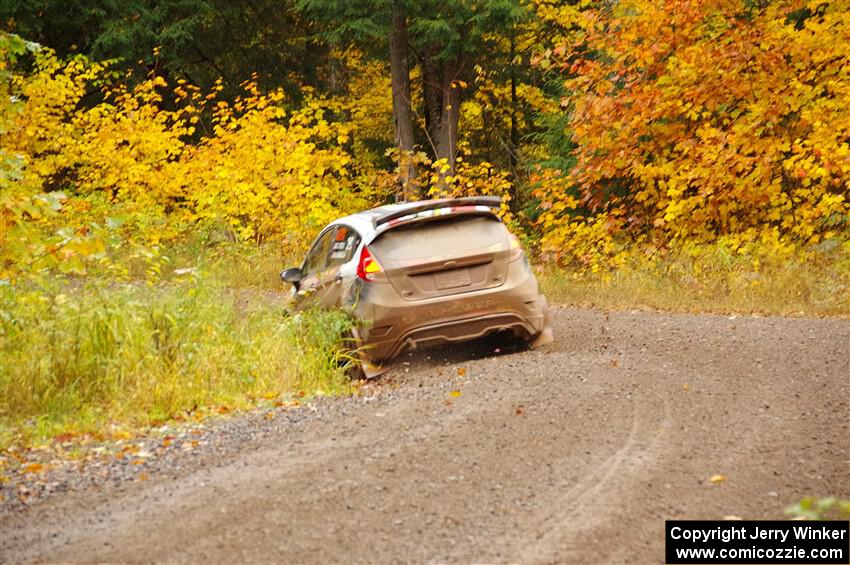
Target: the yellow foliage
(369, 103)
(268, 174)
(149, 164)
(587, 242)
(469, 179)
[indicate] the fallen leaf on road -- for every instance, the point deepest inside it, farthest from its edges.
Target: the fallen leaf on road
(717, 479)
(62, 438)
(33, 468)
(685, 386)
(615, 363)
(461, 371)
(455, 393)
(520, 411)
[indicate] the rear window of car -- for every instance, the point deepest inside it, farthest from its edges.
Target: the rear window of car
(437, 236)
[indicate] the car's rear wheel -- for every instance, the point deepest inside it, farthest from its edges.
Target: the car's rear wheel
(360, 367)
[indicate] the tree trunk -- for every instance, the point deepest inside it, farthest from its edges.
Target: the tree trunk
(432, 93)
(514, 130)
(447, 137)
(400, 77)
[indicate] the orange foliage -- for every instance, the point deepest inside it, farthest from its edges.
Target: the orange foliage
(708, 119)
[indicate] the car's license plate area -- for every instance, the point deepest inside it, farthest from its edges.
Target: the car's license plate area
(455, 278)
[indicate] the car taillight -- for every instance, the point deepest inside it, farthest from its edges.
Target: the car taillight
(368, 266)
(515, 248)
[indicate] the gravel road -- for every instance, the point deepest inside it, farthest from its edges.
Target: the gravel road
(575, 453)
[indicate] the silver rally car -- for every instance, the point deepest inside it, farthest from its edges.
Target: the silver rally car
(420, 273)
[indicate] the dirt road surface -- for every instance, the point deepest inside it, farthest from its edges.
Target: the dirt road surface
(574, 453)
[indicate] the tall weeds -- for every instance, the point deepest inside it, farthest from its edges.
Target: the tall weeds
(713, 278)
(79, 358)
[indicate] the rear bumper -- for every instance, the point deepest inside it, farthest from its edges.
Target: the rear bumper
(392, 324)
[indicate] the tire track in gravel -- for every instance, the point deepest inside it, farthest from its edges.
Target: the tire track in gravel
(579, 509)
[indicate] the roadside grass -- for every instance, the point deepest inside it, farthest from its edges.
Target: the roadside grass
(229, 264)
(88, 358)
(820, 508)
(249, 267)
(714, 281)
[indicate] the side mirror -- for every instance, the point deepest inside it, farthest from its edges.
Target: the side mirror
(292, 275)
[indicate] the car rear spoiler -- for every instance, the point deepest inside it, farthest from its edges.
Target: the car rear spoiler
(474, 204)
